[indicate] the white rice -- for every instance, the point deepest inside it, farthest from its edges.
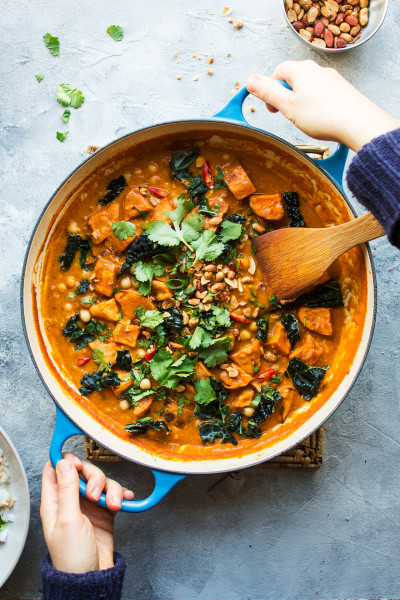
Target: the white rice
(6, 501)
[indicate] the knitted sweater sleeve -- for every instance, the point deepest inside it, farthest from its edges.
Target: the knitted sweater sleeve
(94, 585)
(374, 179)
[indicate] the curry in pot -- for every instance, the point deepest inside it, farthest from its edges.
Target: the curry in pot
(157, 314)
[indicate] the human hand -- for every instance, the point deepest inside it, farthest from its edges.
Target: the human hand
(322, 104)
(79, 533)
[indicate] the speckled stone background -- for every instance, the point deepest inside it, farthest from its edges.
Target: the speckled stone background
(276, 535)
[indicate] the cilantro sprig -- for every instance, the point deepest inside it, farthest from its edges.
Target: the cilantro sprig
(52, 43)
(116, 32)
(183, 230)
(67, 95)
(123, 229)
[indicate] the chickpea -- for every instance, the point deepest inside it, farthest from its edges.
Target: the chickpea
(145, 384)
(138, 172)
(68, 307)
(124, 405)
(155, 180)
(73, 227)
(62, 287)
(258, 228)
(85, 315)
(244, 263)
(248, 411)
(125, 283)
(140, 352)
(253, 327)
(200, 160)
(71, 282)
(152, 167)
(245, 335)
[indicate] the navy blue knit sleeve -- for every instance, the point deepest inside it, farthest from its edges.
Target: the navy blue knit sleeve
(374, 179)
(94, 585)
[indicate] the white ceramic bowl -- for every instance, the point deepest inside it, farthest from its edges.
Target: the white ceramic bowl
(11, 550)
(377, 14)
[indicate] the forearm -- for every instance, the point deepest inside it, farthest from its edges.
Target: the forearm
(94, 585)
(374, 178)
(365, 123)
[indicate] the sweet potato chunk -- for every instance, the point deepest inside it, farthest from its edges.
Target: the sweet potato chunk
(288, 395)
(267, 206)
(307, 349)
(244, 398)
(125, 333)
(316, 319)
(238, 181)
(248, 356)
(116, 245)
(109, 350)
(201, 371)
(100, 222)
(107, 310)
(143, 407)
(161, 208)
(130, 300)
(160, 290)
(134, 203)
(125, 385)
(105, 276)
(279, 340)
(240, 380)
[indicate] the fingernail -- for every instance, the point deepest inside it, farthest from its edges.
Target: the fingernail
(64, 466)
(96, 493)
(117, 502)
(253, 84)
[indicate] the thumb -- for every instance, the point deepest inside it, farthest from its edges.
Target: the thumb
(68, 489)
(270, 91)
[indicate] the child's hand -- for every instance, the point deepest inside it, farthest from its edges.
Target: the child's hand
(322, 104)
(79, 533)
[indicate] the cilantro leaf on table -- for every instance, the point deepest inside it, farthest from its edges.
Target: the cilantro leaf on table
(98, 359)
(62, 136)
(230, 231)
(123, 229)
(162, 233)
(149, 318)
(52, 43)
(116, 32)
(66, 115)
(39, 77)
(67, 95)
(207, 246)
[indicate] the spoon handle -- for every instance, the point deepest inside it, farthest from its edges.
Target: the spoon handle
(357, 231)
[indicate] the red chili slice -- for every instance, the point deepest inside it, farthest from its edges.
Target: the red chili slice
(266, 374)
(83, 360)
(239, 319)
(157, 192)
(208, 176)
(150, 353)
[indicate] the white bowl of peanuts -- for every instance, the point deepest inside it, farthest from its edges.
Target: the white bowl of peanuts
(334, 25)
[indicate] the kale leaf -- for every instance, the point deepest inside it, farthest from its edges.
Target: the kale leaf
(216, 430)
(83, 337)
(83, 286)
(73, 244)
(141, 249)
(327, 295)
(181, 161)
(229, 245)
(142, 425)
(291, 325)
(262, 329)
(84, 248)
(114, 188)
(98, 381)
(124, 360)
(174, 321)
(292, 202)
(306, 379)
(264, 403)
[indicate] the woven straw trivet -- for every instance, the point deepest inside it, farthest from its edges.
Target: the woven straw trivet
(307, 455)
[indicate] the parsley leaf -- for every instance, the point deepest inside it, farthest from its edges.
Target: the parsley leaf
(67, 95)
(116, 32)
(123, 229)
(207, 246)
(62, 136)
(98, 359)
(52, 43)
(230, 231)
(149, 318)
(39, 77)
(66, 115)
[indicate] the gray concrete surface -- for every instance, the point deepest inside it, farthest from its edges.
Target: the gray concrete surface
(280, 535)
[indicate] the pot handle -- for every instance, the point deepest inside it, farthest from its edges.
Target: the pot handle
(164, 482)
(233, 111)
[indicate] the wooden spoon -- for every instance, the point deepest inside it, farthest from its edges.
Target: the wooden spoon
(294, 259)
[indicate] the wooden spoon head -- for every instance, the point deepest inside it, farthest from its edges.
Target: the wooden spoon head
(291, 260)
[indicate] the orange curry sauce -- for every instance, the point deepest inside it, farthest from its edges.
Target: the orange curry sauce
(328, 336)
